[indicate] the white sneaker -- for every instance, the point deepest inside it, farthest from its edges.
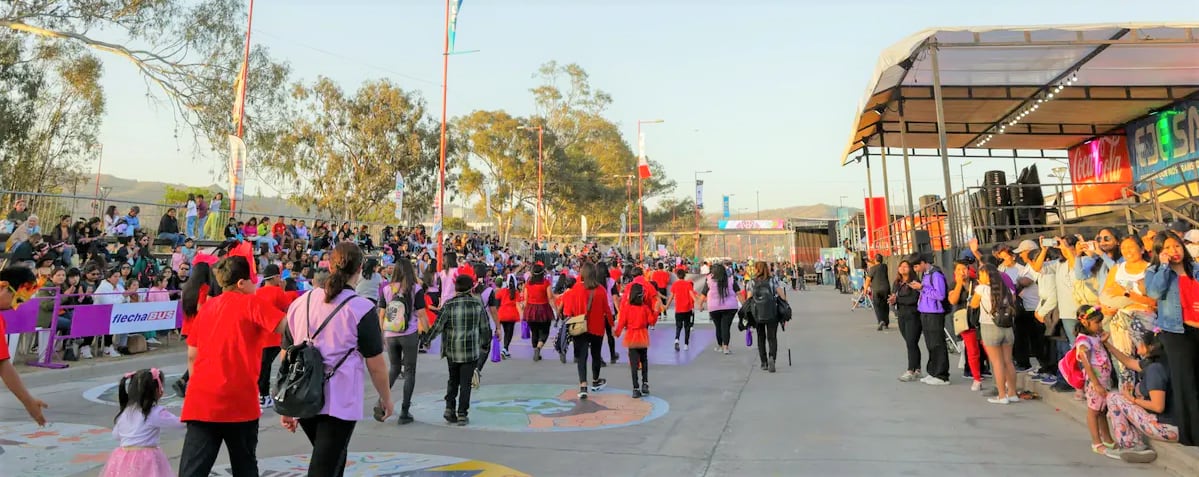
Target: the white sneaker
(997, 400)
(685, 347)
(1013, 399)
(908, 377)
(977, 386)
(935, 381)
(266, 402)
(85, 352)
(111, 353)
(153, 341)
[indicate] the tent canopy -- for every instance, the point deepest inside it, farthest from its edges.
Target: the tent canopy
(1111, 74)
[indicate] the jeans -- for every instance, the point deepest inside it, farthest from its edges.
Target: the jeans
(203, 441)
(401, 353)
(457, 388)
(201, 224)
(724, 322)
(588, 343)
(268, 240)
(768, 332)
(264, 373)
(68, 251)
(639, 359)
(882, 312)
(683, 321)
(191, 226)
(933, 326)
(176, 239)
(330, 439)
(910, 328)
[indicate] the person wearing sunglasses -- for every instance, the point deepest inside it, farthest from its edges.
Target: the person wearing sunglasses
(1097, 260)
(14, 281)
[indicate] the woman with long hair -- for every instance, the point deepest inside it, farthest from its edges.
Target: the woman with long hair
(402, 332)
(368, 286)
(1172, 281)
(905, 298)
(538, 311)
(1126, 304)
(722, 298)
(589, 298)
(990, 297)
(767, 326)
(353, 337)
(602, 271)
(512, 304)
(199, 287)
(218, 217)
(110, 220)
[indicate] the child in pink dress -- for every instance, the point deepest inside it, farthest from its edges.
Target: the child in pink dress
(1097, 367)
(137, 427)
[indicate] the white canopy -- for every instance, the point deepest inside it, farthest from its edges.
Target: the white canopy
(992, 75)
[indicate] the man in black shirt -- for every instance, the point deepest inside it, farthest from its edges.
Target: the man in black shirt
(879, 285)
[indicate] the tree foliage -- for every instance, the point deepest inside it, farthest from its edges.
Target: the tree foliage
(340, 153)
(178, 195)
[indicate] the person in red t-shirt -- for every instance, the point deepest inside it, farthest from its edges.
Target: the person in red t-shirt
(683, 294)
(279, 230)
(226, 336)
(13, 281)
(637, 319)
(661, 280)
(273, 294)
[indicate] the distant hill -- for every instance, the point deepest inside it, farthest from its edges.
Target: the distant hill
(153, 192)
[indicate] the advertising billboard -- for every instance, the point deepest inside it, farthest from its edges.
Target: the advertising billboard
(1160, 141)
(1100, 170)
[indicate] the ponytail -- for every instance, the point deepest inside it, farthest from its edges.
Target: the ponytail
(122, 397)
(345, 262)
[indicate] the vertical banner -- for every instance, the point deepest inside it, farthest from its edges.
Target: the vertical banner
(399, 196)
(699, 194)
(624, 227)
(436, 214)
(1100, 170)
(583, 224)
(455, 7)
(725, 207)
(876, 219)
(237, 167)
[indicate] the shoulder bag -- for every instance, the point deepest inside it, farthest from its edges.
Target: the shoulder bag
(577, 325)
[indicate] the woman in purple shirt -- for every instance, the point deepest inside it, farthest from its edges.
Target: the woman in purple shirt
(722, 299)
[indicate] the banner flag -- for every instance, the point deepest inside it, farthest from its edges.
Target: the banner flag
(237, 167)
(455, 6)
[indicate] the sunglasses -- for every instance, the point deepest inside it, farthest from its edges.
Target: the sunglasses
(1105, 238)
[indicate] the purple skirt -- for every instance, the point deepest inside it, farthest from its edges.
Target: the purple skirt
(539, 313)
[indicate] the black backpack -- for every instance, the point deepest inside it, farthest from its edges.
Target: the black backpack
(764, 303)
(1004, 313)
(300, 385)
(637, 294)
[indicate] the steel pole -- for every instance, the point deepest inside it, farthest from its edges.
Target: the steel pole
(445, 69)
(950, 208)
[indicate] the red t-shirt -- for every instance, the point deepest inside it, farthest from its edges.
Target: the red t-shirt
(228, 334)
(1188, 294)
(468, 270)
(683, 300)
(4, 356)
(278, 229)
(614, 273)
(661, 278)
(538, 293)
(651, 293)
(509, 312)
(279, 299)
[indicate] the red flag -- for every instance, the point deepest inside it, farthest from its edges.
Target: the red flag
(642, 164)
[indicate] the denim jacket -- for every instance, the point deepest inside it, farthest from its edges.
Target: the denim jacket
(1161, 284)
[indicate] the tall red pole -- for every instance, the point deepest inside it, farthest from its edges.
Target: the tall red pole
(445, 70)
(245, 73)
(540, 157)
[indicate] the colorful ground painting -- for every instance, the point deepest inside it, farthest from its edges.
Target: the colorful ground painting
(385, 464)
(545, 408)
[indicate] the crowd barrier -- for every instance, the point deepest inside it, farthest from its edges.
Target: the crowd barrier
(89, 321)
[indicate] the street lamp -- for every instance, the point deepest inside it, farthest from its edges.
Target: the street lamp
(697, 210)
(540, 155)
(962, 172)
(640, 206)
(628, 191)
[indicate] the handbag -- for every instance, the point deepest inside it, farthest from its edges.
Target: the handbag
(577, 325)
(961, 321)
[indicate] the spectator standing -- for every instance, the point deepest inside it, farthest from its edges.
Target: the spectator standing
(933, 292)
(879, 284)
(192, 216)
(905, 299)
(1172, 280)
(218, 217)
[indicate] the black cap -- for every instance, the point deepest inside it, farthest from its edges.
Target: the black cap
(271, 271)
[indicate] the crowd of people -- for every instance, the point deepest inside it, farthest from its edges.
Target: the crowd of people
(1112, 319)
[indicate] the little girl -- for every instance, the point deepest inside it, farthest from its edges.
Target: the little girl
(137, 426)
(1098, 368)
(637, 319)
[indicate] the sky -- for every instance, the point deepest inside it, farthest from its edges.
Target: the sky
(760, 92)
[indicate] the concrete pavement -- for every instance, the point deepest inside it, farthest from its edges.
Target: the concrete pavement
(838, 410)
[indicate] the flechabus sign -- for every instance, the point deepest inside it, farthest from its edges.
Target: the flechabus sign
(774, 224)
(141, 317)
(1100, 170)
(1163, 140)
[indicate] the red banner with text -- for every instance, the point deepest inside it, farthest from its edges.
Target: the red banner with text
(877, 218)
(1100, 170)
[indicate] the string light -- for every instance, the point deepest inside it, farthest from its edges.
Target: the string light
(1045, 96)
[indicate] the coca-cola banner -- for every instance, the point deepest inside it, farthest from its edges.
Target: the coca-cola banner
(1100, 170)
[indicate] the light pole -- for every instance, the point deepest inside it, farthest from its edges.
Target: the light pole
(962, 172)
(628, 191)
(698, 184)
(758, 202)
(540, 156)
(640, 206)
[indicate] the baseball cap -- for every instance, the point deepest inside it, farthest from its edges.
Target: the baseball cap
(1192, 236)
(1025, 246)
(271, 271)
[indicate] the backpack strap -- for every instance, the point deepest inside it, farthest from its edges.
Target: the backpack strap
(308, 307)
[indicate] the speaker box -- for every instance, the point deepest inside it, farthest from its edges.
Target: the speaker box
(924, 244)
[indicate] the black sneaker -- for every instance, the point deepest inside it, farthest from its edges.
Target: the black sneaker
(450, 416)
(180, 387)
(603, 364)
(770, 367)
(763, 366)
(615, 357)
(636, 393)
(645, 387)
(582, 392)
(406, 418)
(463, 420)
(598, 385)
(536, 354)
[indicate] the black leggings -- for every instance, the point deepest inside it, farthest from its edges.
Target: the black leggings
(611, 342)
(683, 321)
(639, 358)
(330, 438)
(724, 322)
(1182, 350)
(401, 353)
(768, 334)
(264, 374)
(882, 311)
(911, 328)
(540, 331)
(585, 343)
(508, 326)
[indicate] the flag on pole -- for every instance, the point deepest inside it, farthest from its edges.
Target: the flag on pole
(642, 164)
(239, 97)
(455, 6)
(237, 167)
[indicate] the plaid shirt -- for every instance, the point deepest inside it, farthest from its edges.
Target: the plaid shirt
(463, 322)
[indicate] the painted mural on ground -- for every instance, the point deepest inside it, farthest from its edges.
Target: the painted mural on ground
(58, 449)
(384, 464)
(545, 408)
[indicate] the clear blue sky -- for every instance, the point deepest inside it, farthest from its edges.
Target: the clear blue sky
(762, 92)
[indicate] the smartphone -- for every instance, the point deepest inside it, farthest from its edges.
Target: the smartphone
(1049, 242)
(1092, 245)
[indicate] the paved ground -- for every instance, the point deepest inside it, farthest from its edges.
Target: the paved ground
(837, 411)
